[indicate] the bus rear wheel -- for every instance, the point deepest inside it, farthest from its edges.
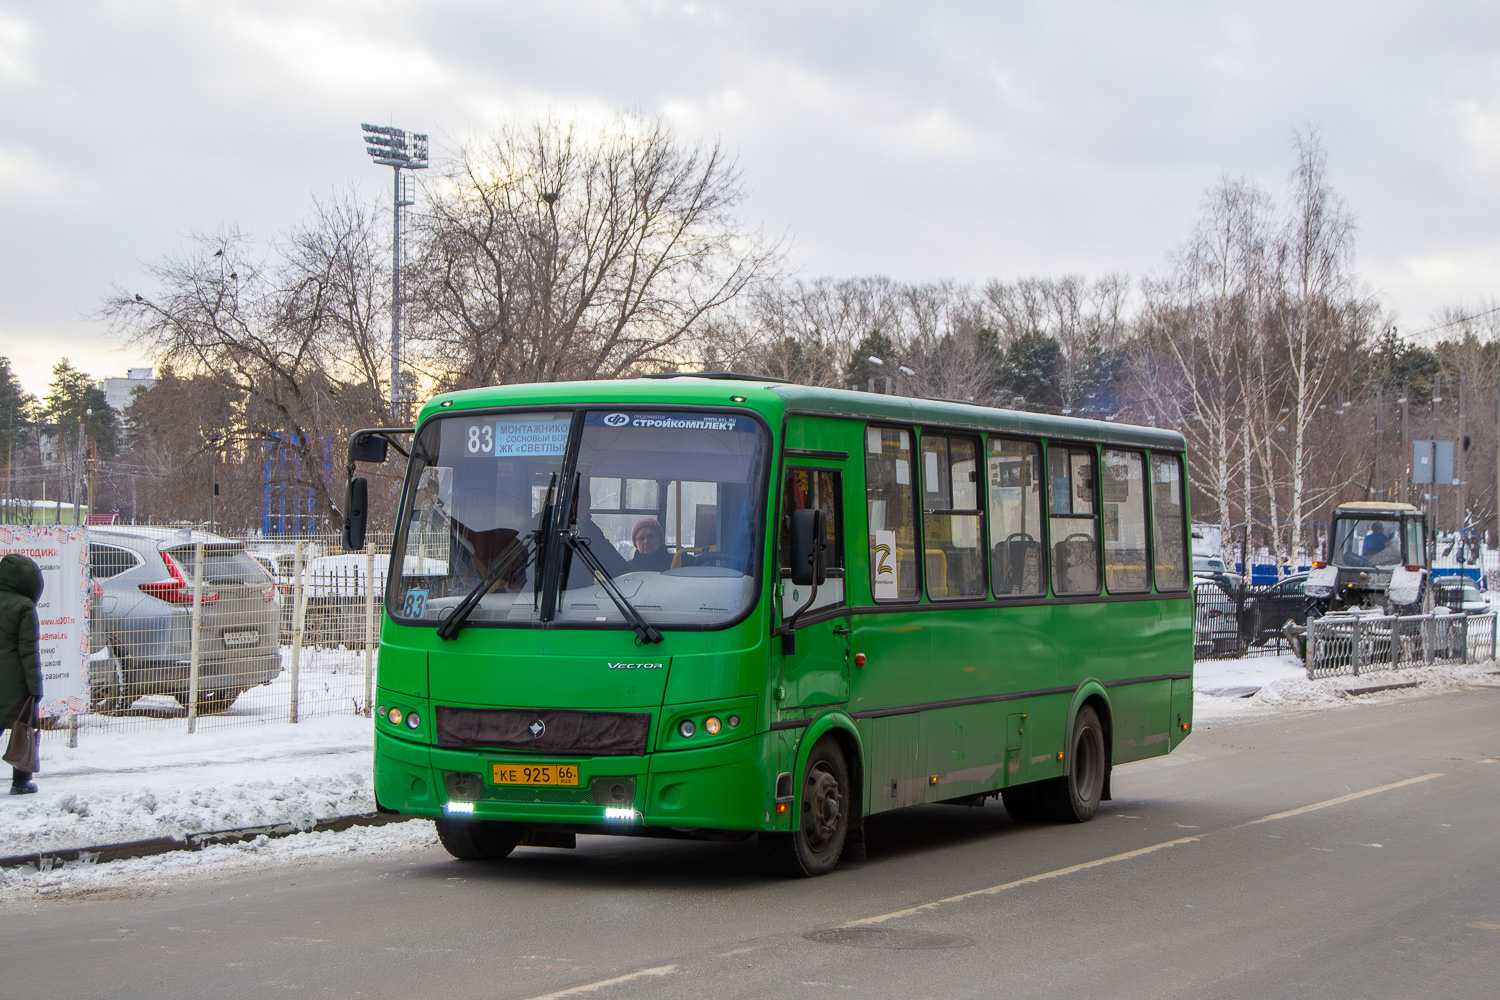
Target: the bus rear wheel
(814, 847)
(1074, 798)
(478, 839)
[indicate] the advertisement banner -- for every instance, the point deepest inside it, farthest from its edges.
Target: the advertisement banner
(62, 552)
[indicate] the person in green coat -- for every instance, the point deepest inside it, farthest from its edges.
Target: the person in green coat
(20, 666)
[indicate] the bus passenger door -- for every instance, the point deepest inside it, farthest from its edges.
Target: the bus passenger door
(816, 670)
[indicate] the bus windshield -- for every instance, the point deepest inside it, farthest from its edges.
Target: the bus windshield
(667, 503)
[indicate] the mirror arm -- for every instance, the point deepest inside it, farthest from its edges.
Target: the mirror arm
(788, 631)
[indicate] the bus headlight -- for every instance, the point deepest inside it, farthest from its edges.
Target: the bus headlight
(395, 716)
(711, 725)
(687, 728)
(413, 720)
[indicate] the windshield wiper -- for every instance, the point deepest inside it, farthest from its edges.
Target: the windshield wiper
(449, 627)
(644, 631)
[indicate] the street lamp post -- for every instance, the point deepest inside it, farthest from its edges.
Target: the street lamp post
(400, 150)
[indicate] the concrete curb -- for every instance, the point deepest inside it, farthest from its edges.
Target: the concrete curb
(47, 860)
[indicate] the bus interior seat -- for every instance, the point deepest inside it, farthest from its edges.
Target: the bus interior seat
(1074, 571)
(1014, 564)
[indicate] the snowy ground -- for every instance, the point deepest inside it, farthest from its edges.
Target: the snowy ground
(121, 786)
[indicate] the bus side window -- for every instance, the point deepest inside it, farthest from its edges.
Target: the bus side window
(1169, 554)
(1123, 499)
(814, 489)
(1016, 552)
(952, 521)
(1073, 527)
(892, 513)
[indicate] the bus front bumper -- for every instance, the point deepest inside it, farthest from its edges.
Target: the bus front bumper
(726, 787)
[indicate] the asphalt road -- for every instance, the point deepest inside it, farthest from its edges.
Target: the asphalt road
(1346, 853)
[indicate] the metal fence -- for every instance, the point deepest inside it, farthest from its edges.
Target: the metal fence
(1354, 644)
(214, 634)
(1234, 622)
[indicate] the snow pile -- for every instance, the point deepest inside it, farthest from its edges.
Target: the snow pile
(117, 787)
(144, 875)
(97, 817)
(1261, 685)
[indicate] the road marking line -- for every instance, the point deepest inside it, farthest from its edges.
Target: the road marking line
(660, 970)
(1341, 799)
(1056, 873)
(1127, 855)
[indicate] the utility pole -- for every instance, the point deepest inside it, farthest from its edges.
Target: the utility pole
(1460, 459)
(1405, 441)
(1380, 492)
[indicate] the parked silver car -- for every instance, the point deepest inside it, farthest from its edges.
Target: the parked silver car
(145, 578)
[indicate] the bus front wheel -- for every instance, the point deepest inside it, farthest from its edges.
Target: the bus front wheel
(478, 839)
(1074, 798)
(814, 846)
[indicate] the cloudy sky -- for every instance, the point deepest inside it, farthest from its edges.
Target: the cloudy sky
(962, 140)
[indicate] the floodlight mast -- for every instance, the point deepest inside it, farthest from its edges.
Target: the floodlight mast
(400, 150)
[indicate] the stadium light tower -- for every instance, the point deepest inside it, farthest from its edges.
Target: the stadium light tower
(400, 150)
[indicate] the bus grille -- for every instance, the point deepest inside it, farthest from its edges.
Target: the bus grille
(466, 786)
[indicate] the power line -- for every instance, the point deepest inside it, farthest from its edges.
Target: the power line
(1456, 322)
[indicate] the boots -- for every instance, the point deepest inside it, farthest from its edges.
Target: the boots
(21, 783)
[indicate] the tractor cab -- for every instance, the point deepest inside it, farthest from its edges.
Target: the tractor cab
(1377, 558)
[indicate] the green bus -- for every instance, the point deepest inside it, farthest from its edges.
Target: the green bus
(720, 606)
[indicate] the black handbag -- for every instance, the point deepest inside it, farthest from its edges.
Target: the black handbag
(23, 752)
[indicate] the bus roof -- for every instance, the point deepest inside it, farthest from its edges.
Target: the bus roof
(775, 396)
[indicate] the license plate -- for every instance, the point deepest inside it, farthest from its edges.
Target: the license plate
(243, 638)
(535, 774)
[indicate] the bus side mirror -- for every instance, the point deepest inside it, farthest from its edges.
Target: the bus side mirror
(809, 566)
(356, 506)
(368, 448)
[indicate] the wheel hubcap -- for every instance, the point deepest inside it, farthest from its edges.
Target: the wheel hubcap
(823, 805)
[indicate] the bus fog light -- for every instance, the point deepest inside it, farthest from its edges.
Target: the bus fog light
(395, 716)
(687, 728)
(413, 721)
(619, 815)
(711, 725)
(734, 722)
(460, 808)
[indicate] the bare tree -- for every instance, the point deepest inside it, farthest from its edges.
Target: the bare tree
(807, 331)
(547, 255)
(288, 328)
(1321, 319)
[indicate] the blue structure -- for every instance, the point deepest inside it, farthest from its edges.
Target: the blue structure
(286, 498)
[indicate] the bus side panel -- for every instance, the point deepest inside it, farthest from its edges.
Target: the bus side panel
(1182, 710)
(966, 749)
(893, 764)
(1140, 720)
(965, 745)
(1142, 709)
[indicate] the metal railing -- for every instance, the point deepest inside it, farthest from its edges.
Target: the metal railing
(1355, 644)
